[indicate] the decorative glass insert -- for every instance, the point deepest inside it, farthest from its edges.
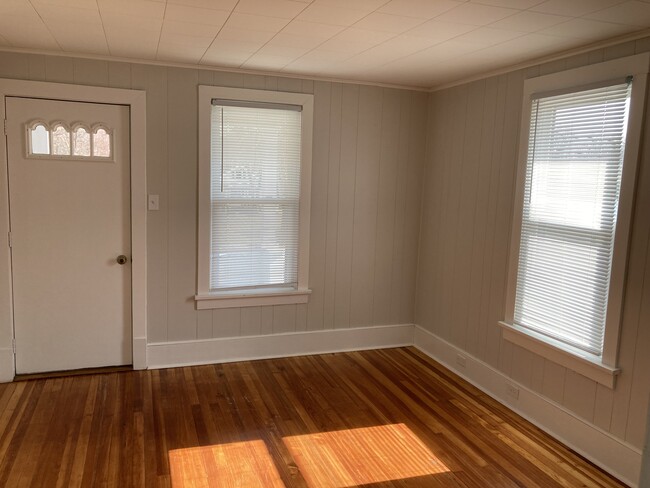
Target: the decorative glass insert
(39, 138)
(101, 143)
(80, 142)
(60, 141)
(56, 141)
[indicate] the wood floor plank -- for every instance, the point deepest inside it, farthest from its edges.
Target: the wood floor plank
(372, 419)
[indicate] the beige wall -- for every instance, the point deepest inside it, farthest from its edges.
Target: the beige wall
(368, 158)
(466, 217)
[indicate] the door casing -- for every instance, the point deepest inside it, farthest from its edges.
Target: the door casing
(136, 101)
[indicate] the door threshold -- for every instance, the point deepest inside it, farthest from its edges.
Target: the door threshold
(72, 372)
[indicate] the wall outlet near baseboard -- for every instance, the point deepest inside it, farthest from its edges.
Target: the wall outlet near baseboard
(461, 360)
(512, 390)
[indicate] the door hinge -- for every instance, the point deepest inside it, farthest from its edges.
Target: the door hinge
(13, 345)
(5, 126)
(9, 238)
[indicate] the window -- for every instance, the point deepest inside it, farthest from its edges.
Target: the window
(255, 170)
(572, 217)
(61, 143)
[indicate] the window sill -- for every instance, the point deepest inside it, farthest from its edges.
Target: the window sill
(251, 298)
(573, 359)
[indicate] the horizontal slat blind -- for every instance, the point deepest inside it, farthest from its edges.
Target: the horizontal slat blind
(255, 190)
(573, 179)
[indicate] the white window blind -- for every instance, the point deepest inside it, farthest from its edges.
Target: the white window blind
(255, 190)
(573, 179)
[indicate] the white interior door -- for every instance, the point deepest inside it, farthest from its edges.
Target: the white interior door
(70, 220)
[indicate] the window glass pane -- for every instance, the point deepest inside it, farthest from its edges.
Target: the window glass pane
(101, 144)
(60, 141)
(255, 164)
(40, 140)
(81, 142)
(573, 178)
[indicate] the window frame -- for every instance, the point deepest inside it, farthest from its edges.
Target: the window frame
(602, 369)
(250, 297)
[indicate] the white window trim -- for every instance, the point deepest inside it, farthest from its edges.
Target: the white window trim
(205, 299)
(600, 369)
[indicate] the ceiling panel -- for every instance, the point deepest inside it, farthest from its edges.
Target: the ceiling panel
(421, 9)
(285, 9)
(574, 8)
(196, 15)
(414, 42)
(476, 14)
(528, 21)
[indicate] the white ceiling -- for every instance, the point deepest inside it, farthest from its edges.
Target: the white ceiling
(420, 43)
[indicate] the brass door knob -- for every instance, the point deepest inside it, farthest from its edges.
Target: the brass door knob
(122, 259)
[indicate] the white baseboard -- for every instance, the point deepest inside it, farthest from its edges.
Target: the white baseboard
(611, 454)
(7, 366)
(231, 349)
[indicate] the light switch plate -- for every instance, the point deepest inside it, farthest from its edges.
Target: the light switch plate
(154, 202)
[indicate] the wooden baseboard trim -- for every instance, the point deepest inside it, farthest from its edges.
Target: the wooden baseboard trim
(615, 456)
(232, 349)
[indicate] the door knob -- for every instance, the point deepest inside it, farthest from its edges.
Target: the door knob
(122, 259)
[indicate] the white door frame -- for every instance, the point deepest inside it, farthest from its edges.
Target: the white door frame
(136, 101)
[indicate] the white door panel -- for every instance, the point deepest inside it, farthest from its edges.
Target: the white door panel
(70, 219)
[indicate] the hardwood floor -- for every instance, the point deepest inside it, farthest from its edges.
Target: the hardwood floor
(373, 419)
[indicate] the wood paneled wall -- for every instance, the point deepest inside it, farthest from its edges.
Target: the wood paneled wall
(368, 160)
(467, 210)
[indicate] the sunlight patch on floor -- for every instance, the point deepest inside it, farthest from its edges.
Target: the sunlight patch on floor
(245, 464)
(353, 457)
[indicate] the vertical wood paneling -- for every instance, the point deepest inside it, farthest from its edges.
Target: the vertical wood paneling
(365, 206)
(60, 70)
(503, 220)
(384, 231)
(226, 322)
(254, 82)
(487, 275)
(400, 208)
(284, 318)
(440, 131)
(301, 317)
(331, 235)
(266, 320)
(318, 220)
(413, 204)
(90, 72)
(227, 78)
(14, 65)
(347, 170)
(251, 321)
(466, 211)
(553, 381)
(182, 157)
(37, 68)
(603, 407)
(464, 309)
(119, 75)
(477, 267)
(579, 395)
(204, 324)
(452, 206)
